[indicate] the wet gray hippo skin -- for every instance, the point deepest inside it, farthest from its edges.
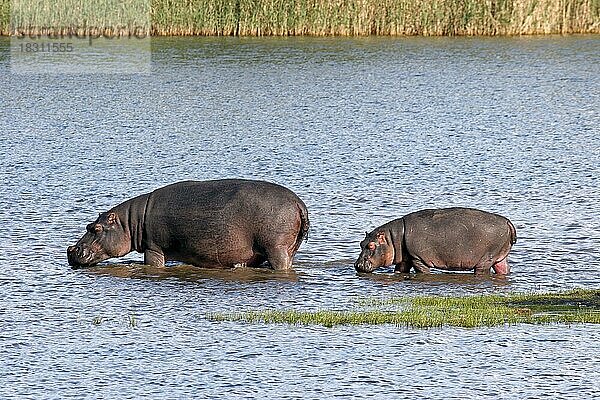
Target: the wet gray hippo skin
(454, 239)
(210, 224)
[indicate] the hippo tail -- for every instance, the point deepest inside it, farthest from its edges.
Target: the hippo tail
(513, 232)
(304, 225)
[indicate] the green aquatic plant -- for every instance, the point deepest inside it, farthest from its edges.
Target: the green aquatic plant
(576, 306)
(132, 321)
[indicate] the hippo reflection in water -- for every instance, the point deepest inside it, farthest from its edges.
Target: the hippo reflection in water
(212, 224)
(455, 239)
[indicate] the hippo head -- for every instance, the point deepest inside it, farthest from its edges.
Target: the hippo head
(105, 238)
(376, 252)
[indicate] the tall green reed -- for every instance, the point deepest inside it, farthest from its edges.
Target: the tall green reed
(337, 17)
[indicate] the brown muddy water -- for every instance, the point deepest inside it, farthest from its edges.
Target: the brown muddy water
(364, 130)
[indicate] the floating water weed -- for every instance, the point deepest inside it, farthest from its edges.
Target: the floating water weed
(133, 323)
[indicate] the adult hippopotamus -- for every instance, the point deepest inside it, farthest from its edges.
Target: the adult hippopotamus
(211, 224)
(454, 239)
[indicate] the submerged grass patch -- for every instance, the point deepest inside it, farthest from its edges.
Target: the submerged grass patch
(576, 306)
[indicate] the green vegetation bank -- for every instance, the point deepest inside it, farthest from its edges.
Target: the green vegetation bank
(364, 17)
(572, 307)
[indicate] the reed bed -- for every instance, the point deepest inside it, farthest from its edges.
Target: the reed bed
(354, 17)
(577, 306)
(76, 17)
(375, 17)
(4, 17)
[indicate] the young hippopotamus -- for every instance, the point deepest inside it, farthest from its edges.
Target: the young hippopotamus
(211, 224)
(454, 239)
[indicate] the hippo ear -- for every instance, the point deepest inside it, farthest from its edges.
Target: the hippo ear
(366, 235)
(380, 237)
(111, 218)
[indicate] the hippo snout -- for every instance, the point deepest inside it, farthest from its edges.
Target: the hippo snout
(74, 253)
(77, 255)
(362, 265)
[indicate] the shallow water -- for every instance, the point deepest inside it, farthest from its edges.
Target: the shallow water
(363, 130)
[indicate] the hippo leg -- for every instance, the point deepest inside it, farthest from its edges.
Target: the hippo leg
(279, 258)
(402, 267)
(420, 266)
(154, 258)
(502, 267)
(482, 269)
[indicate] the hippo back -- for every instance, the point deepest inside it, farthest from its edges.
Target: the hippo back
(202, 217)
(456, 237)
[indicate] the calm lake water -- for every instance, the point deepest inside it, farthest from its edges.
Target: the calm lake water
(364, 131)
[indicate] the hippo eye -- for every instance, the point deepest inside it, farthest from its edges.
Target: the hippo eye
(371, 246)
(97, 228)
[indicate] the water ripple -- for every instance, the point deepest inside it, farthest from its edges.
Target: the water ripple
(364, 130)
